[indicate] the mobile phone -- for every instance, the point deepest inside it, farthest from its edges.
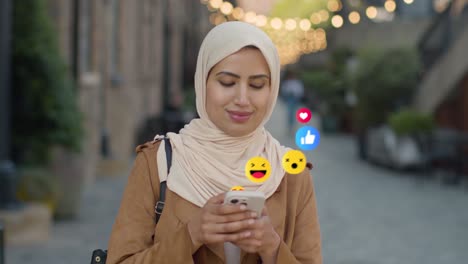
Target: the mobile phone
(253, 200)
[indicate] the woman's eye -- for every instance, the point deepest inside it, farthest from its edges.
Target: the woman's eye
(257, 86)
(227, 84)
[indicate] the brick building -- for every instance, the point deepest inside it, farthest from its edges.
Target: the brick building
(130, 59)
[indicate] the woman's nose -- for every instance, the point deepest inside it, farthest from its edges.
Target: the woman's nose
(242, 97)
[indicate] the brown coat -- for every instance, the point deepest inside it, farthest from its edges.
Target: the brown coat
(136, 239)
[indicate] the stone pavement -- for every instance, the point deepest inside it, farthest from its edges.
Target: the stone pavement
(368, 215)
(73, 241)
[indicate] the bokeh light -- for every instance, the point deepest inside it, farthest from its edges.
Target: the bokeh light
(337, 21)
(354, 17)
(371, 12)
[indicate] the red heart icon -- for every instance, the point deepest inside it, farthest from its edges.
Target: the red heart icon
(303, 115)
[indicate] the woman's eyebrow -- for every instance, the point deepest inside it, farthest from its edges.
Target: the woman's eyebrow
(237, 76)
(228, 73)
(259, 76)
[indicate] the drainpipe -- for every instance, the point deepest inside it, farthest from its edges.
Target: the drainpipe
(2, 243)
(166, 54)
(7, 167)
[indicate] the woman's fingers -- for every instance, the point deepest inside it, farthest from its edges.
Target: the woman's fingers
(231, 217)
(220, 222)
(264, 211)
(249, 242)
(225, 209)
(215, 206)
(217, 199)
(249, 245)
(217, 238)
(232, 227)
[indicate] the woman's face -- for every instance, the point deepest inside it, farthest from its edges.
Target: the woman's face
(238, 91)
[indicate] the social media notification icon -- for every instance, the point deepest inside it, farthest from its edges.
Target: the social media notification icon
(307, 138)
(303, 115)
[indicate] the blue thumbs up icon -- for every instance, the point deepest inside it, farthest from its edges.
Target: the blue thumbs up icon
(307, 138)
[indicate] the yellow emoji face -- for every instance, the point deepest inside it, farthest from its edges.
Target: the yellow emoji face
(294, 162)
(257, 169)
(237, 188)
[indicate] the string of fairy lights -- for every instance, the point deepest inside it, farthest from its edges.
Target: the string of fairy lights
(294, 37)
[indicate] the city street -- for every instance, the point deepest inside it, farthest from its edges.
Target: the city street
(368, 215)
(103, 76)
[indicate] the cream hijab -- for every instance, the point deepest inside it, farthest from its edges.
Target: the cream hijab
(205, 160)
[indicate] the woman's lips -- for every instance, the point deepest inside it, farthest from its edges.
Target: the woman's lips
(239, 116)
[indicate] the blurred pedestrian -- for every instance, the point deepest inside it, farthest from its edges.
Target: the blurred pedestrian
(292, 90)
(173, 116)
(236, 84)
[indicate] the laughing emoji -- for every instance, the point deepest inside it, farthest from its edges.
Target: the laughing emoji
(237, 188)
(294, 162)
(257, 169)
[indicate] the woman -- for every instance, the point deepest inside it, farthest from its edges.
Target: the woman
(236, 84)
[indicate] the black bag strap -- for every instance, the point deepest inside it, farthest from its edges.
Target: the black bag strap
(99, 256)
(162, 186)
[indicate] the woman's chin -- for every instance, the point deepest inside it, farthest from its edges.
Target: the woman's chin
(237, 130)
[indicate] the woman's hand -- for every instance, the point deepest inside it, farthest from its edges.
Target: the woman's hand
(263, 239)
(217, 222)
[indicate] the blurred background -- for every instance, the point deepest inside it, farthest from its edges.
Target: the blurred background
(83, 82)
